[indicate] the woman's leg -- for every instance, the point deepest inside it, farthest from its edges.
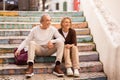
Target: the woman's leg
(75, 57)
(75, 60)
(68, 63)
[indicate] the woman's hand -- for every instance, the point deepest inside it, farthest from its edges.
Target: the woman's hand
(68, 46)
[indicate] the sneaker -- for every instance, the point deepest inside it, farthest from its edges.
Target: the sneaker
(57, 71)
(29, 72)
(69, 72)
(29, 75)
(76, 73)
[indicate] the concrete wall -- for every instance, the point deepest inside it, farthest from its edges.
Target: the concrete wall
(114, 7)
(108, 50)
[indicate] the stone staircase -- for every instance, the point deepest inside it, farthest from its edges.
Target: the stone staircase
(15, 28)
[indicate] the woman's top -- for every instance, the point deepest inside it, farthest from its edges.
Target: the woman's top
(71, 36)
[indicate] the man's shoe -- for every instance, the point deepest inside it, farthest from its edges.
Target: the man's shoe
(29, 73)
(76, 73)
(57, 71)
(69, 72)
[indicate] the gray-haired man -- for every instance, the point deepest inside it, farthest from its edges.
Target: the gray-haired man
(40, 42)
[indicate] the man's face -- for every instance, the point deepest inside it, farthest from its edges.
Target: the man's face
(46, 22)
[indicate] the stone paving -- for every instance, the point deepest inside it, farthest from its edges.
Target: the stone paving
(83, 76)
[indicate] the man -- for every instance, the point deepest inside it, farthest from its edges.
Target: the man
(43, 40)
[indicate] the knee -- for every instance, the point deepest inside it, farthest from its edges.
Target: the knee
(60, 43)
(31, 43)
(74, 47)
(66, 50)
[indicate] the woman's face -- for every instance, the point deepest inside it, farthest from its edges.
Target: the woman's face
(66, 24)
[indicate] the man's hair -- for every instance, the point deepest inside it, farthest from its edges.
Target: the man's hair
(42, 17)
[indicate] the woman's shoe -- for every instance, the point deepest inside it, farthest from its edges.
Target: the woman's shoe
(76, 73)
(69, 72)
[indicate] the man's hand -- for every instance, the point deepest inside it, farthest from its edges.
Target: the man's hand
(50, 45)
(17, 53)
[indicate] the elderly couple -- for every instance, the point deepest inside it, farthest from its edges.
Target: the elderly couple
(40, 42)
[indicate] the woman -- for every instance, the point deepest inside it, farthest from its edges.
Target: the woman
(70, 51)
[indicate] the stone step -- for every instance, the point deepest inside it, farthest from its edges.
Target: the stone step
(8, 13)
(37, 19)
(29, 25)
(83, 76)
(43, 68)
(82, 31)
(91, 68)
(52, 14)
(9, 48)
(84, 38)
(25, 32)
(39, 13)
(83, 57)
(19, 39)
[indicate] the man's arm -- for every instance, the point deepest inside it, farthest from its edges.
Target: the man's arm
(58, 37)
(24, 43)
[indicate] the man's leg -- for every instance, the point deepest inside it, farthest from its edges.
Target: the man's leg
(32, 48)
(59, 55)
(35, 49)
(60, 48)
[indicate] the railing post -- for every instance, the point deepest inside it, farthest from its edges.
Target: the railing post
(4, 5)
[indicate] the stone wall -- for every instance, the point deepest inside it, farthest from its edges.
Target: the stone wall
(106, 32)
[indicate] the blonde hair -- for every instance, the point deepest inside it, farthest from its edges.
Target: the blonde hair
(65, 19)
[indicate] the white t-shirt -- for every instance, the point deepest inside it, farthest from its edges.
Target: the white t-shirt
(65, 34)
